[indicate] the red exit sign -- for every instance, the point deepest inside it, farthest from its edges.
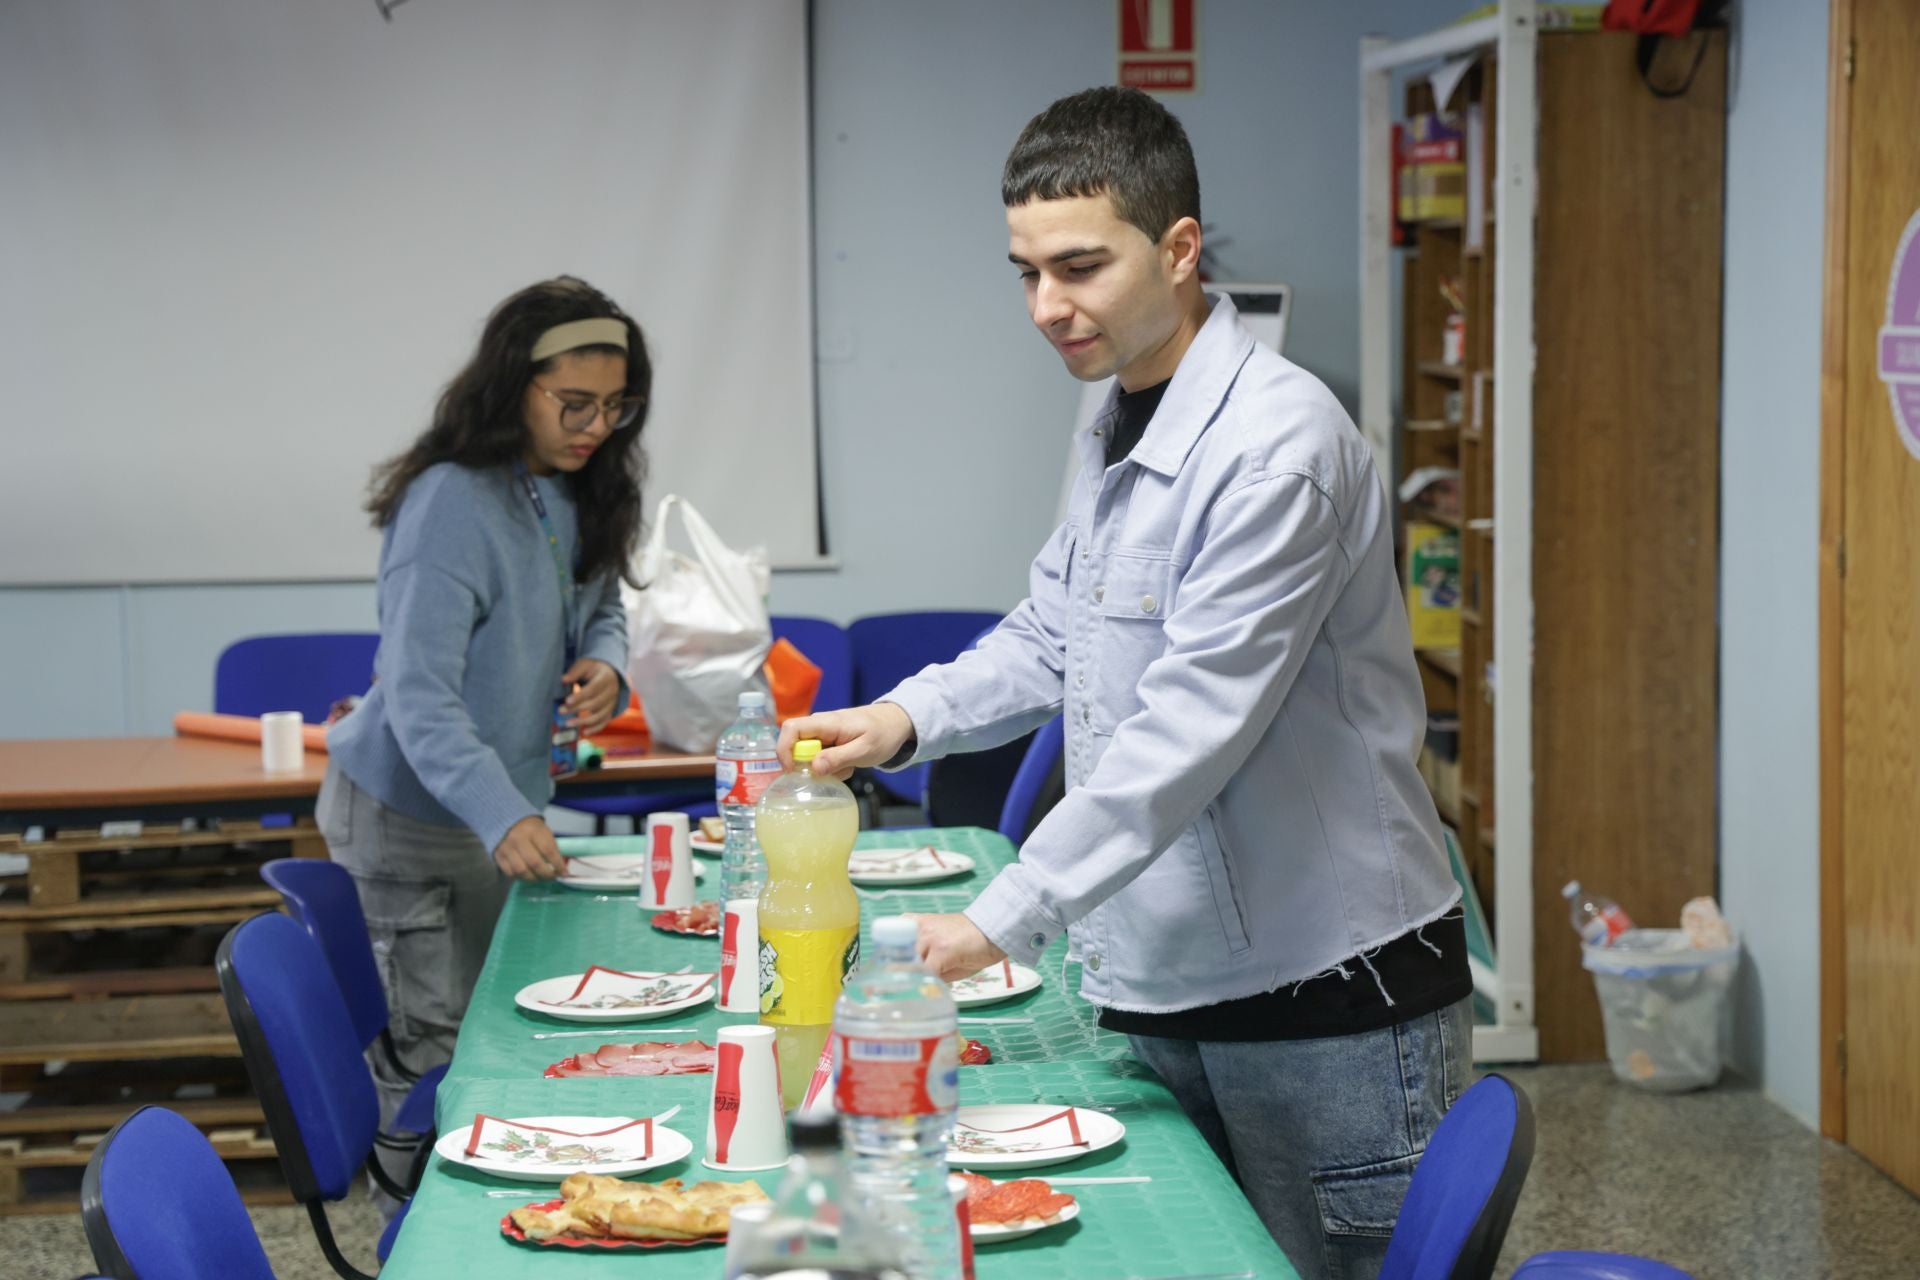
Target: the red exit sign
(1157, 51)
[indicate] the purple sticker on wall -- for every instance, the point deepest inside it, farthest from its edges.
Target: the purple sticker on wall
(1899, 354)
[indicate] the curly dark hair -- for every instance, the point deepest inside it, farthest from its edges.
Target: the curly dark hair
(480, 422)
(1107, 141)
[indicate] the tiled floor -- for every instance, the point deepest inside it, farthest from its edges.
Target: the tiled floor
(1722, 1184)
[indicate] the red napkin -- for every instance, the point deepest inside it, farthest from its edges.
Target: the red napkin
(1069, 1115)
(592, 970)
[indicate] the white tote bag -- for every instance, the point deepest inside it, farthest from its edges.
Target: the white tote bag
(698, 634)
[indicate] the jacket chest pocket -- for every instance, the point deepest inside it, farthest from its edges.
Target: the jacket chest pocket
(1129, 598)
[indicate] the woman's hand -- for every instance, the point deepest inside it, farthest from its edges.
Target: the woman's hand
(529, 852)
(595, 686)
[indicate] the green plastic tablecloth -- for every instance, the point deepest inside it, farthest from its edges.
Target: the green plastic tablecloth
(1190, 1221)
(548, 930)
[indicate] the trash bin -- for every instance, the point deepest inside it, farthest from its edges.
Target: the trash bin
(1667, 1007)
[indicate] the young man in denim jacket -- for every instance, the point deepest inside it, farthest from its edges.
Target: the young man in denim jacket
(1247, 864)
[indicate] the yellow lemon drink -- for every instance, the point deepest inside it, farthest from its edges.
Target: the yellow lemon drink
(809, 915)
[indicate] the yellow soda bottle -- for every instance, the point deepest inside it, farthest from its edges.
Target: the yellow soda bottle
(809, 914)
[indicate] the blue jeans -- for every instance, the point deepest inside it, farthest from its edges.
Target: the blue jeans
(1322, 1135)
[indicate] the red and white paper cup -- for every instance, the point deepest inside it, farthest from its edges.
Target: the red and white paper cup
(669, 880)
(740, 956)
(746, 1129)
(957, 1188)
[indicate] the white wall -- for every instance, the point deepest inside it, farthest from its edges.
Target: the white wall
(942, 415)
(1769, 540)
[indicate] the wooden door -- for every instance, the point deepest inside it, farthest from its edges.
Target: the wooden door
(1870, 625)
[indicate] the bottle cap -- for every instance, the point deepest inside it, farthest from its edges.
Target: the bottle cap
(895, 931)
(805, 750)
(1572, 889)
(753, 700)
(813, 1133)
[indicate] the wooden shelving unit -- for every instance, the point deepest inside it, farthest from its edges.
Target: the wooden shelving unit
(1586, 438)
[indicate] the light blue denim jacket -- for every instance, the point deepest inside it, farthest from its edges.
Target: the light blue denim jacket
(1220, 619)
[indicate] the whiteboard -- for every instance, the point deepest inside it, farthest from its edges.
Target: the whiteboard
(246, 242)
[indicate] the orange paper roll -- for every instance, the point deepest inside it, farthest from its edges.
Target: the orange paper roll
(201, 724)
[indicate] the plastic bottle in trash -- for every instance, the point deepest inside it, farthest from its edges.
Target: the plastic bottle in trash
(809, 1229)
(745, 765)
(898, 1053)
(1597, 919)
(809, 914)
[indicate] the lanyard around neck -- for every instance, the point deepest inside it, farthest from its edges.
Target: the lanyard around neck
(562, 571)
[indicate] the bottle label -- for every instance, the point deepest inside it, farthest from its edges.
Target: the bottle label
(887, 1077)
(742, 781)
(802, 971)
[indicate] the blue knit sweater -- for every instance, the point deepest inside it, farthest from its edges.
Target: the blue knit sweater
(455, 729)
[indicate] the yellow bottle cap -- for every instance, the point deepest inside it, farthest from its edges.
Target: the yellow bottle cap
(805, 750)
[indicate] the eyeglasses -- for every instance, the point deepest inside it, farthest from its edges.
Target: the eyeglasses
(577, 414)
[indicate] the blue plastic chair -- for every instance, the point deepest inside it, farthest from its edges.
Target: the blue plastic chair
(1018, 816)
(304, 673)
(828, 647)
(1461, 1200)
(1580, 1265)
(889, 647)
(157, 1204)
(322, 897)
(302, 1054)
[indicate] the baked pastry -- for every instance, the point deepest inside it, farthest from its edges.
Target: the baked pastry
(609, 1208)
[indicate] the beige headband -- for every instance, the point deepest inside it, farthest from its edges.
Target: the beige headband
(600, 331)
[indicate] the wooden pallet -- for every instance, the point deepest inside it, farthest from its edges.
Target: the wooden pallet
(166, 1026)
(59, 882)
(47, 1138)
(109, 999)
(45, 1143)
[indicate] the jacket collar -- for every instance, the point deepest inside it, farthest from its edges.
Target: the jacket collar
(1200, 385)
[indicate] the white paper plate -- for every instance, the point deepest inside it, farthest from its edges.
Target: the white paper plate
(995, 1232)
(990, 986)
(905, 866)
(616, 871)
(707, 848)
(619, 1154)
(970, 1148)
(605, 1000)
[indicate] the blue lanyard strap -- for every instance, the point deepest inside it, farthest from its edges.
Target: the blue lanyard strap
(560, 566)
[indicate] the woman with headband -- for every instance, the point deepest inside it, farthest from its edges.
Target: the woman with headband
(507, 527)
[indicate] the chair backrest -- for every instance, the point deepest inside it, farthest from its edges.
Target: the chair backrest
(1461, 1200)
(828, 648)
(302, 1054)
(321, 896)
(1044, 754)
(889, 647)
(157, 1204)
(304, 673)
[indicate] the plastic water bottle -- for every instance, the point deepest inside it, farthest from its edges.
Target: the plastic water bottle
(746, 764)
(898, 1052)
(810, 1230)
(1598, 920)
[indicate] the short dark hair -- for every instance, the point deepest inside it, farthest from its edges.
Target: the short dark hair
(480, 421)
(1107, 141)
